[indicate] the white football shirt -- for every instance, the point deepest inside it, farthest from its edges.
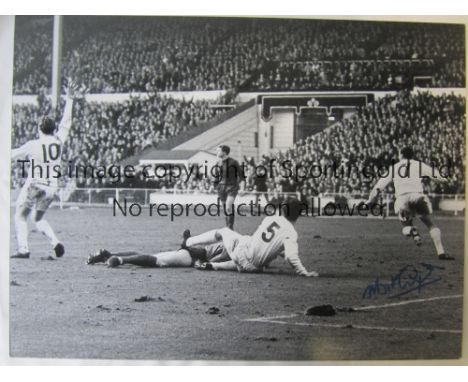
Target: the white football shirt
(45, 153)
(406, 176)
(45, 156)
(276, 236)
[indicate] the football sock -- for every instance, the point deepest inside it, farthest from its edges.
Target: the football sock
(230, 221)
(21, 226)
(141, 260)
(44, 227)
(126, 253)
(203, 239)
(437, 239)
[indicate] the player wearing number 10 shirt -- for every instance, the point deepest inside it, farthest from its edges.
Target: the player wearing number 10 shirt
(275, 237)
(40, 188)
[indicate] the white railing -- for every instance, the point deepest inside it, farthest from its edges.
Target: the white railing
(146, 196)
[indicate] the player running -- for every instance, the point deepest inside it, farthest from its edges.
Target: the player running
(276, 236)
(410, 200)
(229, 181)
(39, 190)
(180, 258)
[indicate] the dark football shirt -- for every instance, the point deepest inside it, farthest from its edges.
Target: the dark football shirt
(231, 172)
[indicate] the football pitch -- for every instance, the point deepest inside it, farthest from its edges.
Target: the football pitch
(394, 300)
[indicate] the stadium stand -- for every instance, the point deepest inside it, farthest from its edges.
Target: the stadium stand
(32, 55)
(142, 54)
(122, 54)
(433, 125)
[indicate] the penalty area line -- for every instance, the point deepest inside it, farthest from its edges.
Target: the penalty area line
(271, 318)
(278, 318)
(360, 327)
(407, 302)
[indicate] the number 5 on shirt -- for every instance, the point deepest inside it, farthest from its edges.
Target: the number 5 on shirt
(270, 232)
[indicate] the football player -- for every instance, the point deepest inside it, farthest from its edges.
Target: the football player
(230, 179)
(179, 258)
(275, 237)
(410, 200)
(41, 186)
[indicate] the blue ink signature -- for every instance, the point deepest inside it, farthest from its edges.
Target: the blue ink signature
(410, 278)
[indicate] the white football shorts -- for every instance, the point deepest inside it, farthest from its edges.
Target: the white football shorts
(412, 204)
(238, 248)
(36, 195)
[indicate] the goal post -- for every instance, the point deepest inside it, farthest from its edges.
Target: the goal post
(57, 60)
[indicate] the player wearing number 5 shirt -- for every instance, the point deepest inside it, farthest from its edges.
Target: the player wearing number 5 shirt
(38, 192)
(275, 237)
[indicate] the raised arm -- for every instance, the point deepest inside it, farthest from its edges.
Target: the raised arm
(65, 123)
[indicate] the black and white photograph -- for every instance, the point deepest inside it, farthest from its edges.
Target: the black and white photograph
(220, 188)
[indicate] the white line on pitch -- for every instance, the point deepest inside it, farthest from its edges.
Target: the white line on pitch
(381, 235)
(361, 327)
(270, 318)
(273, 319)
(407, 302)
(438, 218)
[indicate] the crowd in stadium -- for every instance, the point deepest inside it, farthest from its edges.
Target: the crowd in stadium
(32, 55)
(114, 54)
(434, 126)
(357, 75)
(121, 54)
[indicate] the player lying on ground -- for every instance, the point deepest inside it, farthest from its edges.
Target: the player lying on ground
(179, 258)
(410, 200)
(40, 188)
(274, 237)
